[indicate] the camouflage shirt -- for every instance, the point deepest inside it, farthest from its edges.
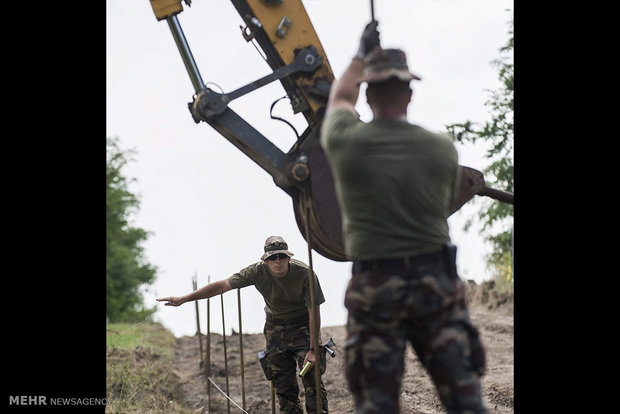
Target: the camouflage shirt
(285, 297)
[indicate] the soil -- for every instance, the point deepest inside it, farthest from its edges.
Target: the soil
(491, 312)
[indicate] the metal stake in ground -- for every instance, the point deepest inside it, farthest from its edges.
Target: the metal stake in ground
(241, 349)
(225, 354)
(314, 328)
(195, 286)
(208, 356)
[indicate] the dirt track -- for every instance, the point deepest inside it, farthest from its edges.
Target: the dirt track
(491, 313)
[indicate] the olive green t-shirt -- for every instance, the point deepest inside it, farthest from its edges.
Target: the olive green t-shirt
(394, 183)
(285, 297)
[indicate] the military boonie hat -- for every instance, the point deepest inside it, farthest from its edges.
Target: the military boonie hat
(275, 245)
(382, 64)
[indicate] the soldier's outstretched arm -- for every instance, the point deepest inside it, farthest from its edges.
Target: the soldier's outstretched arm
(208, 291)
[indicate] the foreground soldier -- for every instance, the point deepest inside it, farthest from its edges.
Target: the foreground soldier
(284, 284)
(394, 182)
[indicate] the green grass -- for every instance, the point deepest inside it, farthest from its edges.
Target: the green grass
(139, 370)
(130, 336)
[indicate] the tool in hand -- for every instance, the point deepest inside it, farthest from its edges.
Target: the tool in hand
(328, 346)
(305, 369)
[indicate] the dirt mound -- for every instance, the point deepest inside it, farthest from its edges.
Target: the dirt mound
(140, 377)
(487, 295)
(490, 311)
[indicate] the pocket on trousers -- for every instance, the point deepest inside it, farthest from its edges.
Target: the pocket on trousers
(262, 358)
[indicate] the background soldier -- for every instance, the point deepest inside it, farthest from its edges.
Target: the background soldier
(284, 284)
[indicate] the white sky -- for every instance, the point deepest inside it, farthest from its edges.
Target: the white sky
(209, 207)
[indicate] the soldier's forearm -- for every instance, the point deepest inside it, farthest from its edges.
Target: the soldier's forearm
(208, 291)
(345, 91)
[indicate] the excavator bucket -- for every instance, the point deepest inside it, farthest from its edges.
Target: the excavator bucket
(470, 183)
(318, 205)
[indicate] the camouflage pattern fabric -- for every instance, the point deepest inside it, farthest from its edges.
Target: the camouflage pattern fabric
(425, 305)
(287, 346)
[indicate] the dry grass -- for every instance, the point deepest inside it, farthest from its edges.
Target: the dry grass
(139, 374)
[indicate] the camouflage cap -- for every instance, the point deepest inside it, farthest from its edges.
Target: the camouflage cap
(382, 64)
(275, 245)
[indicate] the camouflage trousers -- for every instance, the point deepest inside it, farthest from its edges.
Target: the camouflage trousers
(423, 302)
(287, 345)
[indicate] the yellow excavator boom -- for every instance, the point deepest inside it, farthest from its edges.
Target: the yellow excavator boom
(284, 32)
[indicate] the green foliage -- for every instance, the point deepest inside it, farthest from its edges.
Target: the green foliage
(149, 334)
(503, 272)
(126, 268)
(498, 132)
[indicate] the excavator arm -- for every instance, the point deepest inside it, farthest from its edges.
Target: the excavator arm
(294, 52)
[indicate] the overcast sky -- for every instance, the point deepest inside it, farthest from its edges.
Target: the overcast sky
(209, 207)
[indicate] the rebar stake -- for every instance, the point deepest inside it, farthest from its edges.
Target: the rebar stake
(314, 328)
(241, 349)
(225, 353)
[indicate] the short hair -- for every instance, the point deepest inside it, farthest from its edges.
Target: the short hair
(389, 91)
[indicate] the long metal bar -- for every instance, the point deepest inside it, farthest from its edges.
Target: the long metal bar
(306, 61)
(208, 357)
(186, 53)
(225, 353)
(252, 143)
(265, 80)
(241, 349)
(498, 195)
(314, 330)
(227, 397)
(230, 125)
(195, 286)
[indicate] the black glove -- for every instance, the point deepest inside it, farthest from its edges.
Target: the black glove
(369, 40)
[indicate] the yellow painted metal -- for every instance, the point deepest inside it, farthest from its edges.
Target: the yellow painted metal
(166, 8)
(298, 35)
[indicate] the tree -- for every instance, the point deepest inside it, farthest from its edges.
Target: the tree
(126, 268)
(496, 217)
